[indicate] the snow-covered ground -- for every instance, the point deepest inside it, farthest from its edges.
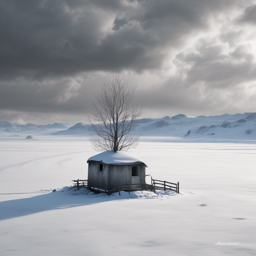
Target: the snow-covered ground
(215, 213)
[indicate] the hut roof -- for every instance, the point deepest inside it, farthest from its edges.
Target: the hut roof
(115, 158)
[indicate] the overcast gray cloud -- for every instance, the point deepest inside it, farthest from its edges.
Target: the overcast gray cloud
(55, 54)
(214, 67)
(209, 79)
(66, 37)
(249, 15)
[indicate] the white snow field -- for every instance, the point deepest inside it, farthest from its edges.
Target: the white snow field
(215, 213)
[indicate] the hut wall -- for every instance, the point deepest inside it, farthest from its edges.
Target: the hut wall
(113, 175)
(119, 175)
(97, 178)
(122, 174)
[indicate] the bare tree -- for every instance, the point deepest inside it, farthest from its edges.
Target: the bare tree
(114, 115)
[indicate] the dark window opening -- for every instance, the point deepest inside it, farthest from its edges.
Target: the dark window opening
(101, 167)
(134, 171)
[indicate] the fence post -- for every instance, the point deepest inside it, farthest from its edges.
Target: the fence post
(178, 187)
(164, 185)
(129, 188)
(77, 183)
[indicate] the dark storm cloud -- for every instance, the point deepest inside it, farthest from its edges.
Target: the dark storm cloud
(249, 15)
(46, 37)
(56, 38)
(48, 48)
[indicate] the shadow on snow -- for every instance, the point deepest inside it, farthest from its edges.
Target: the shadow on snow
(67, 198)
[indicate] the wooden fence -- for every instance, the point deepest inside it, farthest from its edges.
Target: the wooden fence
(80, 183)
(162, 184)
(166, 185)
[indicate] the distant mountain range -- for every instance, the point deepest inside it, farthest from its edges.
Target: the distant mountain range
(237, 126)
(10, 128)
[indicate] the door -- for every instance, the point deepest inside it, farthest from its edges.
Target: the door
(135, 179)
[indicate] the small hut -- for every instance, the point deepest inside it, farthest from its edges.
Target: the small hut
(111, 170)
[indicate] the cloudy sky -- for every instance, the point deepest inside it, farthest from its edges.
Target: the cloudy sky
(196, 57)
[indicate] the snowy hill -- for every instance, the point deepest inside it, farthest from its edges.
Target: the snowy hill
(244, 128)
(177, 117)
(77, 129)
(187, 127)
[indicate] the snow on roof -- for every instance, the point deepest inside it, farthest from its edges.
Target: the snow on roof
(116, 158)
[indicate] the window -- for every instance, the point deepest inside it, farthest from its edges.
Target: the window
(134, 171)
(101, 167)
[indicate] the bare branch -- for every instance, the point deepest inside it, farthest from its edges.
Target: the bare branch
(114, 117)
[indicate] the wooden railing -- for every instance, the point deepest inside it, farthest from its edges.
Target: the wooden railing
(162, 184)
(80, 183)
(166, 185)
